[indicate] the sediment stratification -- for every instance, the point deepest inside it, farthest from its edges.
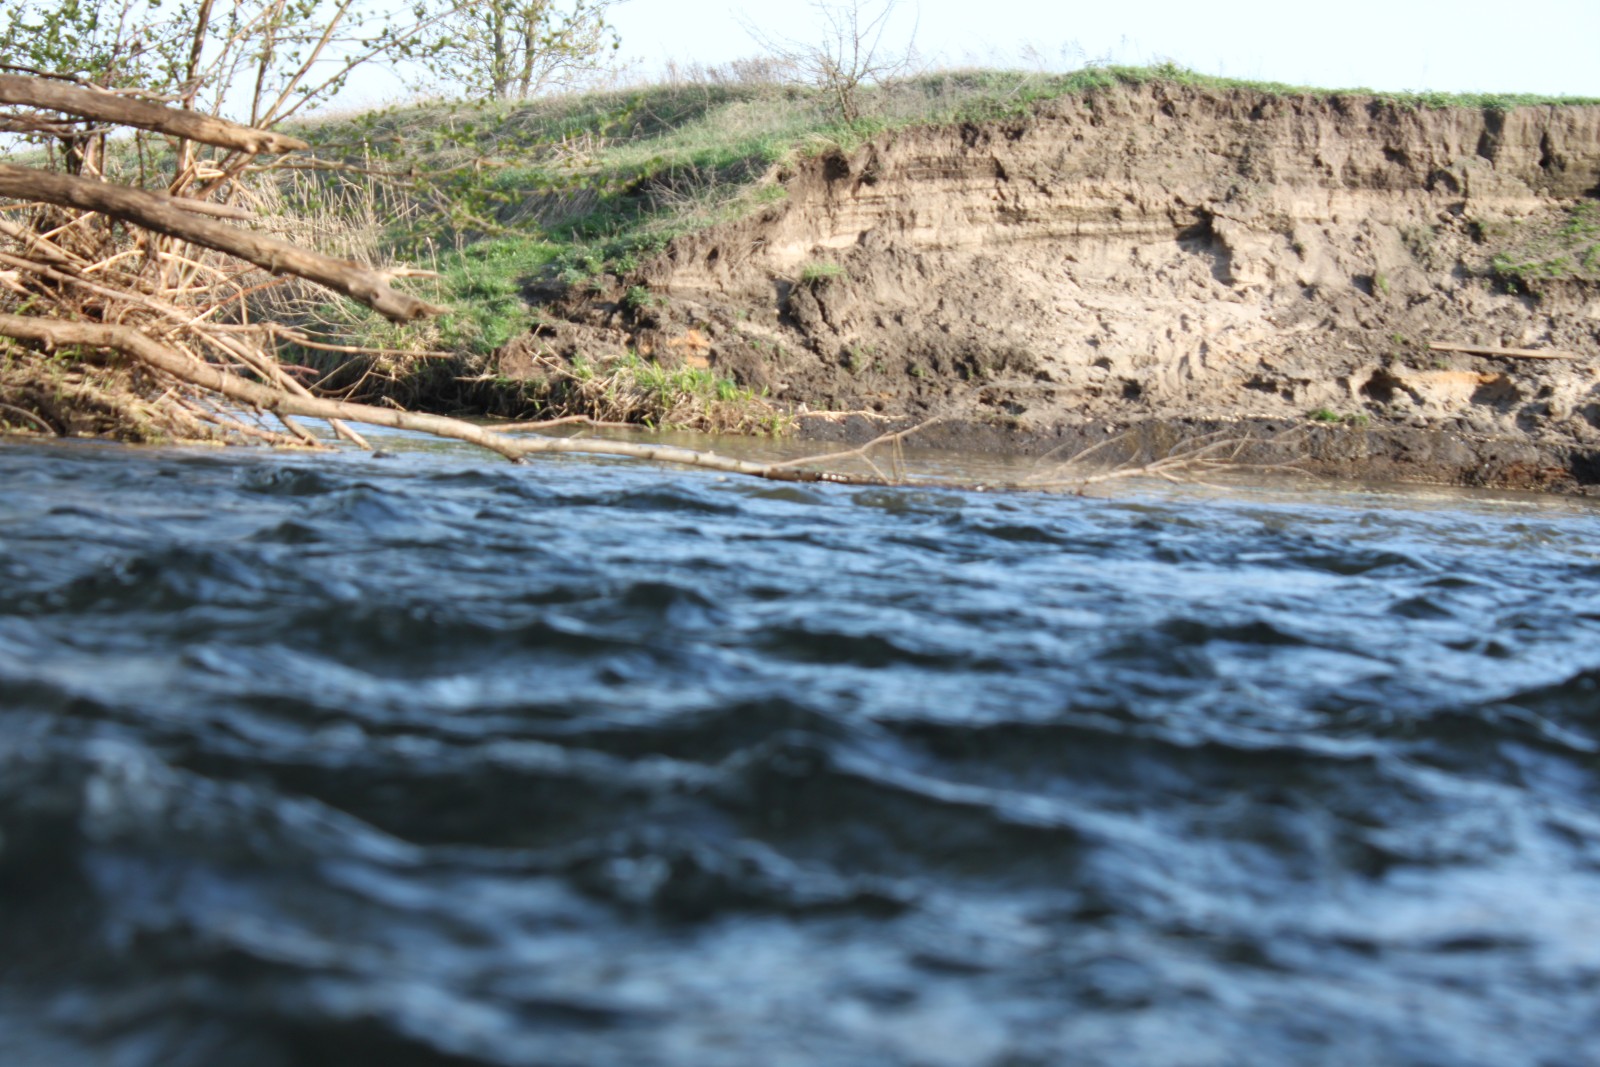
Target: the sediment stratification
(1165, 255)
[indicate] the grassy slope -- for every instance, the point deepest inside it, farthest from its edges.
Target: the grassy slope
(568, 188)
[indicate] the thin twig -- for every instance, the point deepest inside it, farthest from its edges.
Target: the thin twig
(876, 442)
(36, 420)
(565, 420)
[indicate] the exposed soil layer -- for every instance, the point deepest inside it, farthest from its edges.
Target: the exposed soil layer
(1164, 256)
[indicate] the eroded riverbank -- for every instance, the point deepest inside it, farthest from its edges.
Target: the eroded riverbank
(1161, 256)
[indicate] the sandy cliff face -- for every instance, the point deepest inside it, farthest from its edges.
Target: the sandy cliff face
(1158, 251)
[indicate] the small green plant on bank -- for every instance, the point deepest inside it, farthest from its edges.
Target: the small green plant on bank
(635, 389)
(857, 357)
(638, 298)
(1328, 415)
(1568, 247)
(822, 271)
(1521, 275)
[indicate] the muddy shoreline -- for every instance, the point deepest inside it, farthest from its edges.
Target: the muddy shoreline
(1418, 455)
(1161, 260)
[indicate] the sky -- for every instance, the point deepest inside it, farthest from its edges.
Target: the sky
(1536, 46)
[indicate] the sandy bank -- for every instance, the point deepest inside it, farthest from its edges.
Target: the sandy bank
(1166, 257)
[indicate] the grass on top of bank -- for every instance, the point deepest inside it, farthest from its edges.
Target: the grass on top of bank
(606, 177)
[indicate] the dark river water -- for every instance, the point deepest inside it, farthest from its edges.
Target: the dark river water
(426, 760)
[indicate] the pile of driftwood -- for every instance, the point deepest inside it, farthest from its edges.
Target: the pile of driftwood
(161, 276)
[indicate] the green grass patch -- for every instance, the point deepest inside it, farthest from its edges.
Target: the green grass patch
(641, 391)
(1545, 250)
(1331, 417)
(820, 271)
(483, 286)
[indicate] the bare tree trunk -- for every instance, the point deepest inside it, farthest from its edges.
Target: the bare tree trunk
(528, 20)
(500, 56)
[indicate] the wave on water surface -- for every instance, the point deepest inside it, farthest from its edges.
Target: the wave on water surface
(312, 761)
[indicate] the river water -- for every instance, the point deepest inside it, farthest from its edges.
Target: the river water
(426, 760)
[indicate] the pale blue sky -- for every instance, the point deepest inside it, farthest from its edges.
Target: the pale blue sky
(1548, 47)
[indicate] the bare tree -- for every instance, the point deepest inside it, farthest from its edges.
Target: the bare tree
(850, 53)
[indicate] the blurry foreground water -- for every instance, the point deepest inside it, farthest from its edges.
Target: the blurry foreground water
(433, 760)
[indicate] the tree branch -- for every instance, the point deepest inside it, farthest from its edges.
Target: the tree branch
(165, 214)
(18, 90)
